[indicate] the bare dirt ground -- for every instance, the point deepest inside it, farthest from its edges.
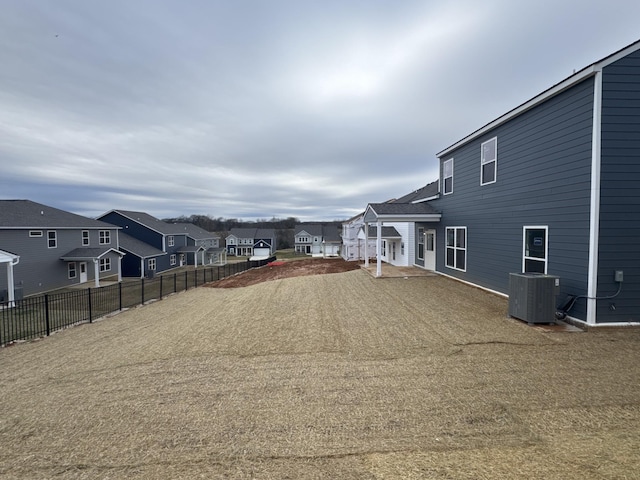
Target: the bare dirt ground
(287, 269)
(338, 376)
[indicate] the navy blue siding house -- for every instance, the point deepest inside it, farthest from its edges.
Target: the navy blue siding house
(552, 187)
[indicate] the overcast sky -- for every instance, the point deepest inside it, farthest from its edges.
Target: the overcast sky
(254, 108)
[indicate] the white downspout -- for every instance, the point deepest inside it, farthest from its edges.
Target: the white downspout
(594, 214)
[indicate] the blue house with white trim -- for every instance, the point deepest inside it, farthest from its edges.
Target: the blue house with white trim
(552, 186)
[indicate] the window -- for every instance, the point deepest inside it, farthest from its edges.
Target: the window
(534, 249)
(401, 248)
(152, 264)
(488, 161)
(456, 254)
(105, 264)
(171, 241)
(384, 248)
(172, 259)
(52, 239)
(447, 175)
(421, 243)
(85, 237)
(35, 233)
(73, 273)
(105, 237)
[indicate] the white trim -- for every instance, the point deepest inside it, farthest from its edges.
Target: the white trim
(594, 212)
(604, 324)
(35, 234)
(484, 162)
(546, 245)
(495, 292)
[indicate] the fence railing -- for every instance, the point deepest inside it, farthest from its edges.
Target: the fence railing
(39, 316)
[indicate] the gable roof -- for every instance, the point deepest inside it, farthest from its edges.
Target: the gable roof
(401, 212)
(28, 214)
(145, 219)
(252, 232)
(556, 89)
(386, 232)
(192, 231)
(88, 253)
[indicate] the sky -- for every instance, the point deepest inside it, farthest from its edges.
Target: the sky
(254, 109)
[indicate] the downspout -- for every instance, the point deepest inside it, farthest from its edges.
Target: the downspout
(594, 213)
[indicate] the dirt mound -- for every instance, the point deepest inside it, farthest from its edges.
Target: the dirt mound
(286, 269)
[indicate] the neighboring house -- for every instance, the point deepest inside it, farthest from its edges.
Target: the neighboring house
(44, 248)
(181, 243)
(205, 245)
(139, 256)
(317, 239)
(398, 218)
(251, 242)
(552, 187)
(353, 244)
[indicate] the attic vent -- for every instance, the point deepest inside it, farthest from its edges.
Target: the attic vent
(35, 233)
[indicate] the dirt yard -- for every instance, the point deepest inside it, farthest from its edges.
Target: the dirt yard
(337, 376)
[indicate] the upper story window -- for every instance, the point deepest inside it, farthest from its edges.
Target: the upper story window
(52, 239)
(447, 177)
(171, 241)
(105, 237)
(489, 161)
(85, 238)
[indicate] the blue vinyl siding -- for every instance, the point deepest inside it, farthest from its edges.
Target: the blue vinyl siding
(619, 246)
(543, 178)
(134, 229)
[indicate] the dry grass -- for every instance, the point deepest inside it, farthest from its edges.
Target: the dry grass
(330, 376)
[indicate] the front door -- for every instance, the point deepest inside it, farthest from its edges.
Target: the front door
(430, 249)
(83, 272)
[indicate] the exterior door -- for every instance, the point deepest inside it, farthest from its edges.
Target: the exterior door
(83, 272)
(430, 249)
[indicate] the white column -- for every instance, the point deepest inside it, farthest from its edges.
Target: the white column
(119, 268)
(379, 249)
(366, 243)
(142, 268)
(10, 284)
(96, 272)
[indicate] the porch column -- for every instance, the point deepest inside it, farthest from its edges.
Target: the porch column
(379, 249)
(366, 242)
(96, 272)
(141, 267)
(119, 268)
(10, 284)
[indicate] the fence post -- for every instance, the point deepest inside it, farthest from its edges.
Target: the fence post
(195, 278)
(186, 281)
(161, 287)
(120, 295)
(46, 313)
(175, 282)
(90, 311)
(142, 292)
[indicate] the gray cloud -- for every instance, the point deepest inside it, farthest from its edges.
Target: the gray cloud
(255, 109)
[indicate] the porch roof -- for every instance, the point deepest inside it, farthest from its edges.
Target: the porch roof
(8, 257)
(190, 249)
(386, 232)
(401, 212)
(88, 253)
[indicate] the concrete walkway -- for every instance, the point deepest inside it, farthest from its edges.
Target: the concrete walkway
(392, 271)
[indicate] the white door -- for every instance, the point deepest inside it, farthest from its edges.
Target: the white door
(83, 272)
(430, 249)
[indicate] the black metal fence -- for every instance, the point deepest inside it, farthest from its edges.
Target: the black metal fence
(39, 316)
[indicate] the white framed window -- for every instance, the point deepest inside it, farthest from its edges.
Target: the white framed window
(456, 248)
(105, 237)
(384, 248)
(171, 241)
(85, 238)
(71, 268)
(105, 264)
(152, 264)
(52, 239)
(172, 259)
(488, 161)
(535, 248)
(401, 248)
(447, 177)
(35, 233)
(421, 243)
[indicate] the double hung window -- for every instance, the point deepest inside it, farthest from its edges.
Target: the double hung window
(488, 161)
(447, 177)
(105, 237)
(535, 249)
